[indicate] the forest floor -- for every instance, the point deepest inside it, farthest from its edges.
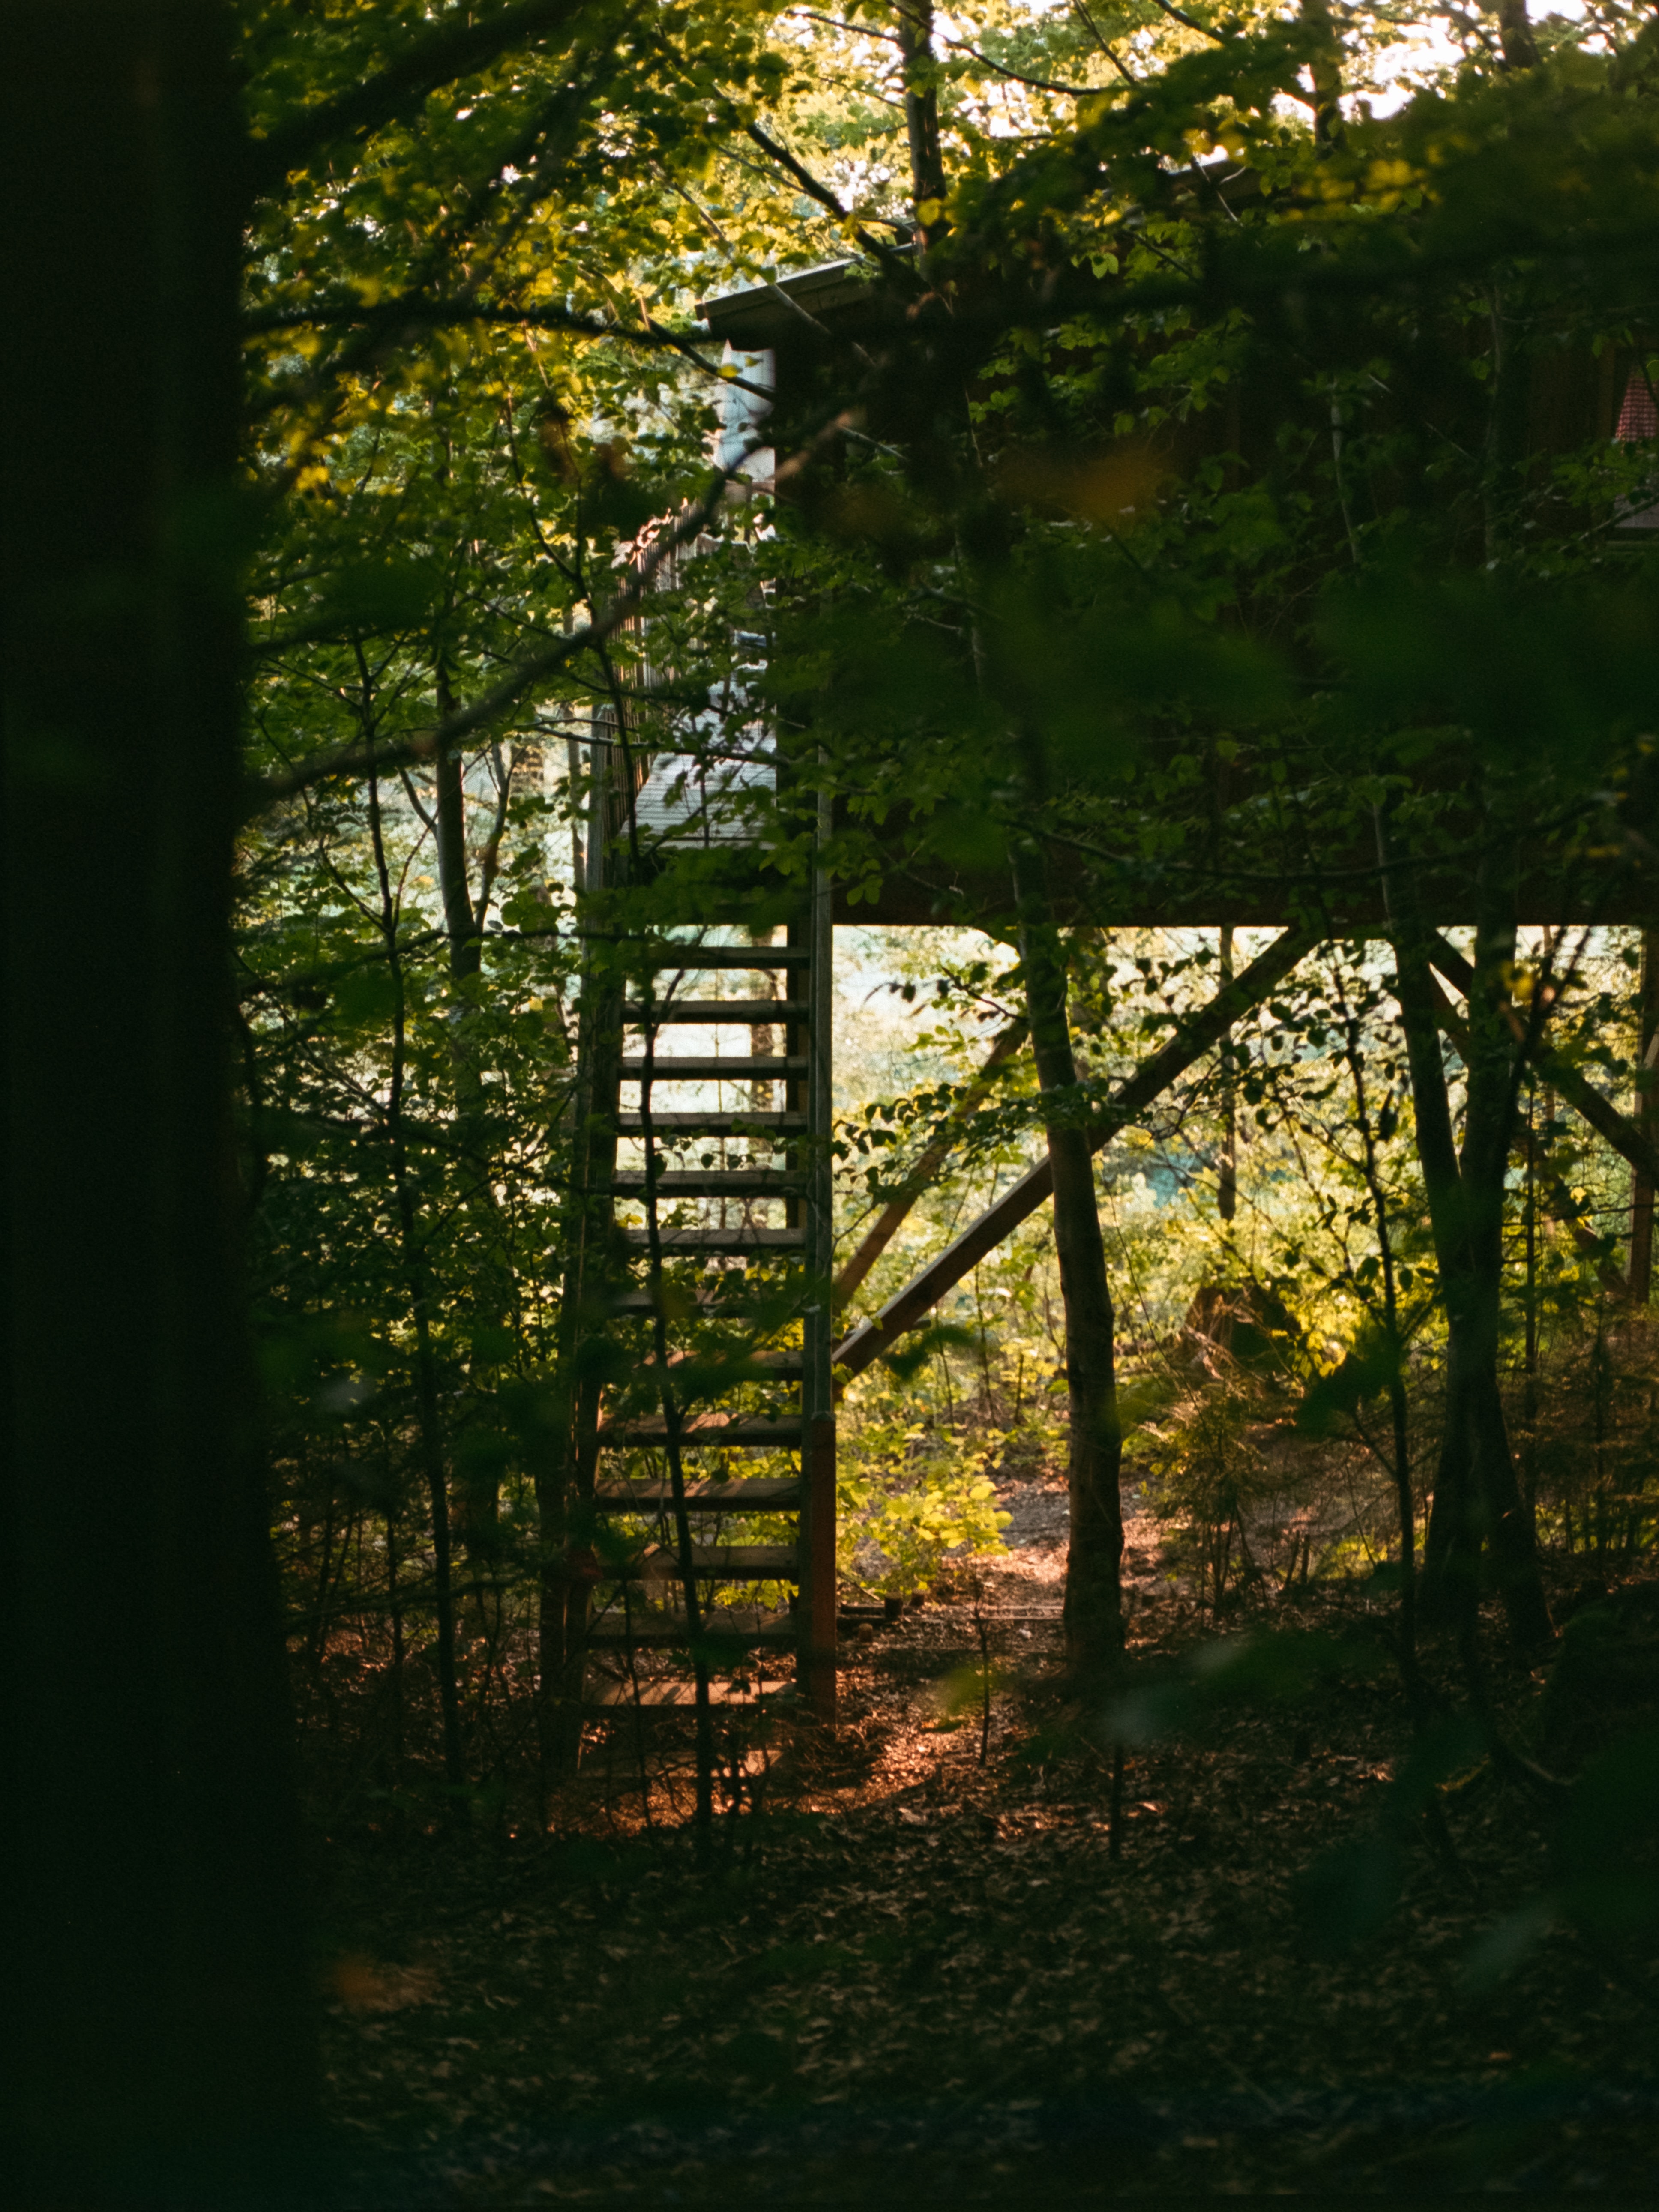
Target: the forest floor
(913, 1972)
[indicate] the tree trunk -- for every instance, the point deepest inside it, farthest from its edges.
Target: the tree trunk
(450, 817)
(1226, 1194)
(915, 43)
(155, 1973)
(477, 1487)
(1324, 71)
(1489, 1125)
(417, 1276)
(569, 1460)
(1477, 1498)
(1094, 1599)
(1514, 31)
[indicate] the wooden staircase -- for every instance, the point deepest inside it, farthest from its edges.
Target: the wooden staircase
(713, 1503)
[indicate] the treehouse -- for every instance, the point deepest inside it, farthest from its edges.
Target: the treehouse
(796, 341)
(701, 1290)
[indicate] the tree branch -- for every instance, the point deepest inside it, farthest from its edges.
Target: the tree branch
(1180, 15)
(431, 744)
(440, 314)
(1127, 76)
(459, 50)
(825, 199)
(1017, 76)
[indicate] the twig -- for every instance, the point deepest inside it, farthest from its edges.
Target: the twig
(893, 256)
(1180, 15)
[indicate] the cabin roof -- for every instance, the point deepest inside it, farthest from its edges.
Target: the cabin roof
(754, 318)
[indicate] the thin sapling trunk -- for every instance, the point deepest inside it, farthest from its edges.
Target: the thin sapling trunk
(417, 1274)
(1094, 1598)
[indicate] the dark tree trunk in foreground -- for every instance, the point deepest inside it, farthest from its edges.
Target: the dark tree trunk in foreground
(1094, 1598)
(1477, 1497)
(154, 1971)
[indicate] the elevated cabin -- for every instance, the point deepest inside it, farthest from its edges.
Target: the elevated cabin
(702, 1518)
(792, 334)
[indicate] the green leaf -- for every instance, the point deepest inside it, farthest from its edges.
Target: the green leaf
(943, 1336)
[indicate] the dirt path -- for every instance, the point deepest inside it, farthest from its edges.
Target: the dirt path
(1039, 1523)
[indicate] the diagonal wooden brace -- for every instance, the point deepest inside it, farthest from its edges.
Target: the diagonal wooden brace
(1626, 1136)
(1197, 1036)
(892, 1217)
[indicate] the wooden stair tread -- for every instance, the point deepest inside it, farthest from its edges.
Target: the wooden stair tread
(740, 1308)
(721, 1122)
(746, 1013)
(725, 1562)
(699, 1067)
(704, 1431)
(765, 1495)
(712, 1182)
(659, 1631)
(676, 1697)
(689, 958)
(746, 1238)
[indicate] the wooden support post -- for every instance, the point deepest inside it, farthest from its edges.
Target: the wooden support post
(817, 1520)
(817, 1572)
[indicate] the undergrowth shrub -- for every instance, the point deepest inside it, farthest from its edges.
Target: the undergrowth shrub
(1229, 1513)
(914, 1494)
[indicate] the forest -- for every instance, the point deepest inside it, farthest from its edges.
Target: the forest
(1048, 1582)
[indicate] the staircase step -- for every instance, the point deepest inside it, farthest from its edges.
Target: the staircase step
(657, 1631)
(722, 1121)
(675, 1696)
(762, 1495)
(694, 1068)
(789, 1364)
(712, 1182)
(718, 1240)
(703, 1432)
(690, 959)
(725, 1561)
(748, 1014)
(742, 1305)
